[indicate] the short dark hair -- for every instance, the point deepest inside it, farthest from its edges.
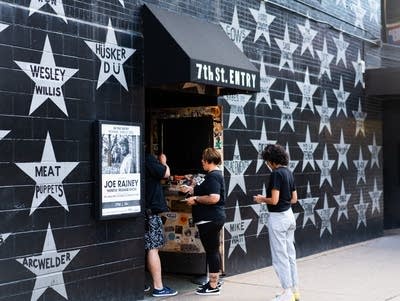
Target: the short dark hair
(275, 153)
(211, 155)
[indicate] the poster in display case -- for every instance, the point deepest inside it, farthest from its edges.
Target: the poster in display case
(118, 170)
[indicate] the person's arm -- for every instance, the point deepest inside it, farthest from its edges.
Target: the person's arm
(163, 160)
(293, 200)
(203, 199)
(273, 200)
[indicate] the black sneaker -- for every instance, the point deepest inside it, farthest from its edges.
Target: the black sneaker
(219, 285)
(164, 292)
(207, 290)
(147, 288)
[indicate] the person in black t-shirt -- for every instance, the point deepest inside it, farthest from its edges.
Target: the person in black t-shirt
(208, 210)
(281, 194)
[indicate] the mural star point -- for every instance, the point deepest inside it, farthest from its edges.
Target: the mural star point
(287, 108)
(57, 7)
(342, 200)
(326, 58)
(237, 103)
(375, 195)
(342, 149)
(325, 112)
(307, 90)
(265, 84)
(341, 46)
(262, 212)
(358, 68)
(360, 116)
(259, 145)
(325, 165)
(308, 204)
(234, 31)
(325, 214)
(374, 149)
(361, 164)
(287, 48)
(263, 20)
(361, 209)
(308, 35)
(308, 149)
(341, 96)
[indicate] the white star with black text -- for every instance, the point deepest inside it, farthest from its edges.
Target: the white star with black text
(341, 2)
(265, 84)
(112, 57)
(308, 149)
(308, 205)
(325, 112)
(360, 164)
(292, 163)
(237, 168)
(326, 58)
(263, 20)
(48, 175)
(259, 145)
(236, 229)
(342, 200)
(3, 26)
(287, 108)
(360, 119)
(57, 6)
(358, 68)
(237, 103)
(234, 32)
(361, 209)
(359, 11)
(325, 165)
(48, 267)
(374, 149)
(325, 214)
(48, 79)
(3, 237)
(342, 149)
(287, 48)
(307, 91)
(263, 214)
(341, 96)
(375, 195)
(374, 6)
(341, 46)
(308, 35)
(122, 2)
(3, 133)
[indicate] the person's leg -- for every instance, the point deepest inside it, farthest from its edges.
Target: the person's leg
(291, 250)
(154, 266)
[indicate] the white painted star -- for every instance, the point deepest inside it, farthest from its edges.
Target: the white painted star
(375, 195)
(341, 96)
(361, 209)
(3, 26)
(112, 58)
(233, 30)
(262, 212)
(360, 164)
(263, 20)
(237, 103)
(341, 46)
(374, 6)
(237, 168)
(342, 149)
(326, 58)
(308, 149)
(287, 108)
(292, 163)
(287, 48)
(57, 7)
(325, 112)
(48, 267)
(359, 11)
(307, 90)
(359, 69)
(325, 165)
(122, 2)
(342, 200)
(48, 79)
(325, 214)
(48, 175)
(265, 84)
(308, 35)
(360, 119)
(308, 205)
(341, 2)
(3, 133)
(259, 145)
(4, 236)
(236, 229)
(374, 149)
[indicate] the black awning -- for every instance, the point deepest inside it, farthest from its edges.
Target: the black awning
(382, 82)
(180, 49)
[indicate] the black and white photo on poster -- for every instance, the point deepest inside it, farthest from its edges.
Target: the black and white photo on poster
(120, 169)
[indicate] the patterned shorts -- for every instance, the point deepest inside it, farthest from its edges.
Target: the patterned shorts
(154, 234)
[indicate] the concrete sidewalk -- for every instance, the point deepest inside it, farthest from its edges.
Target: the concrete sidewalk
(367, 271)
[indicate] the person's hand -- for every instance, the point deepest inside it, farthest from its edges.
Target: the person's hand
(259, 198)
(186, 189)
(163, 159)
(191, 201)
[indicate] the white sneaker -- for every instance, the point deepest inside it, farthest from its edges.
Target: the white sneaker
(285, 296)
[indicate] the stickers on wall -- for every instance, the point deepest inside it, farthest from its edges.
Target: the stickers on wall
(360, 119)
(360, 164)
(56, 5)
(237, 103)
(287, 48)
(3, 26)
(325, 113)
(112, 58)
(292, 163)
(341, 96)
(359, 66)
(326, 58)
(236, 168)
(361, 209)
(262, 212)
(359, 11)
(325, 165)
(342, 149)
(308, 205)
(265, 84)
(342, 200)
(374, 149)
(325, 214)
(341, 46)
(287, 108)
(234, 31)
(308, 35)
(374, 7)
(259, 145)
(308, 149)
(48, 79)
(48, 267)
(3, 237)
(236, 229)
(263, 20)
(307, 90)
(375, 195)
(48, 175)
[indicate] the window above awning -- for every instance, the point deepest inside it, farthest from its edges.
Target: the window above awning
(183, 52)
